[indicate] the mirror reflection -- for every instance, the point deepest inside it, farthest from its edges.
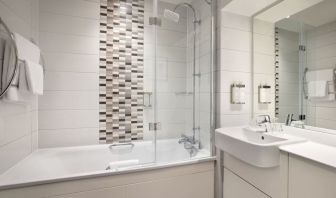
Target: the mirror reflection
(295, 55)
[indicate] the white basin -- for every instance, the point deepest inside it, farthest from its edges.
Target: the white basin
(255, 148)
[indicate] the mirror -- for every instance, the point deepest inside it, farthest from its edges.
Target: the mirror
(8, 60)
(294, 53)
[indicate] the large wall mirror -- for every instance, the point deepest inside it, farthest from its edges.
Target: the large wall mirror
(294, 62)
(8, 58)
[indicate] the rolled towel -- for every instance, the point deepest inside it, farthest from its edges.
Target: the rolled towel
(124, 163)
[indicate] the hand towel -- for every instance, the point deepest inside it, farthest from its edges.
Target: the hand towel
(317, 89)
(316, 95)
(26, 49)
(34, 74)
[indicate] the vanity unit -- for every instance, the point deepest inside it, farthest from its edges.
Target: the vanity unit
(277, 164)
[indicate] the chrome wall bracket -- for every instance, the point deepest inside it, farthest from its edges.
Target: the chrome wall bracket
(155, 21)
(154, 126)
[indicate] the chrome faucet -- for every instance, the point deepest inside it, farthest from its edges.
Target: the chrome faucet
(263, 121)
(289, 119)
(187, 139)
(190, 144)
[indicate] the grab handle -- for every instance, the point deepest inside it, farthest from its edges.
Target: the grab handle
(121, 144)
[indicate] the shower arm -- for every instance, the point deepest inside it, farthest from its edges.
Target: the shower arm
(189, 6)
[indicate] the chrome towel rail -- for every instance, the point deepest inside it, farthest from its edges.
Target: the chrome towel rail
(112, 146)
(305, 83)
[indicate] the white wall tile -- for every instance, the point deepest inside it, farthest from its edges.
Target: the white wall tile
(54, 42)
(63, 24)
(234, 21)
(235, 39)
(68, 137)
(232, 60)
(68, 119)
(57, 100)
(235, 66)
(79, 8)
(15, 151)
(69, 62)
(225, 106)
(70, 81)
(18, 120)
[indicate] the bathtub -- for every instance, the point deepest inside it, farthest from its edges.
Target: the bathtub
(70, 163)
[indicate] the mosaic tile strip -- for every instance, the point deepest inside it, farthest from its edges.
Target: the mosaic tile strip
(121, 70)
(277, 64)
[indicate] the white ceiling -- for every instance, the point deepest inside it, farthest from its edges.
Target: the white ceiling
(286, 8)
(293, 26)
(247, 7)
(320, 14)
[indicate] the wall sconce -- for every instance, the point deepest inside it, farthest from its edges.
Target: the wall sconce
(237, 93)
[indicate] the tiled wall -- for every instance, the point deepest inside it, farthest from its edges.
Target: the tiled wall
(288, 73)
(174, 71)
(203, 67)
(171, 72)
(18, 121)
(69, 37)
(321, 50)
(234, 54)
(263, 67)
(121, 71)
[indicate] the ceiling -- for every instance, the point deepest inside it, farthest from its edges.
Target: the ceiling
(247, 7)
(320, 14)
(287, 8)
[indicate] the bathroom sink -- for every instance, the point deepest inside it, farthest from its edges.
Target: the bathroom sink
(253, 147)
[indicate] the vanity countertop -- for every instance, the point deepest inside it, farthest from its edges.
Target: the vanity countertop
(320, 153)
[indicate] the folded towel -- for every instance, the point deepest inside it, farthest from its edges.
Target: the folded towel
(34, 76)
(317, 89)
(26, 49)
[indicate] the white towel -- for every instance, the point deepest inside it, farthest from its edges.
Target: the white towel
(316, 94)
(18, 90)
(317, 89)
(34, 76)
(26, 49)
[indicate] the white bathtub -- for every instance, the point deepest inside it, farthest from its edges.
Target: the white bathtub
(59, 164)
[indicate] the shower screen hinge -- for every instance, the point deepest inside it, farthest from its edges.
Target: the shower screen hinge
(154, 126)
(302, 48)
(155, 21)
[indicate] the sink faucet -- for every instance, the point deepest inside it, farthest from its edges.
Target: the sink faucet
(263, 121)
(289, 119)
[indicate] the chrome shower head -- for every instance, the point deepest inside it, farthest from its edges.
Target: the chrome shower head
(170, 15)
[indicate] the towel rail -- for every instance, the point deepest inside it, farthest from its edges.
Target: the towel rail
(17, 60)
(329, 82)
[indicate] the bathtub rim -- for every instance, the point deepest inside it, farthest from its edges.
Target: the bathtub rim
(104, 173)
